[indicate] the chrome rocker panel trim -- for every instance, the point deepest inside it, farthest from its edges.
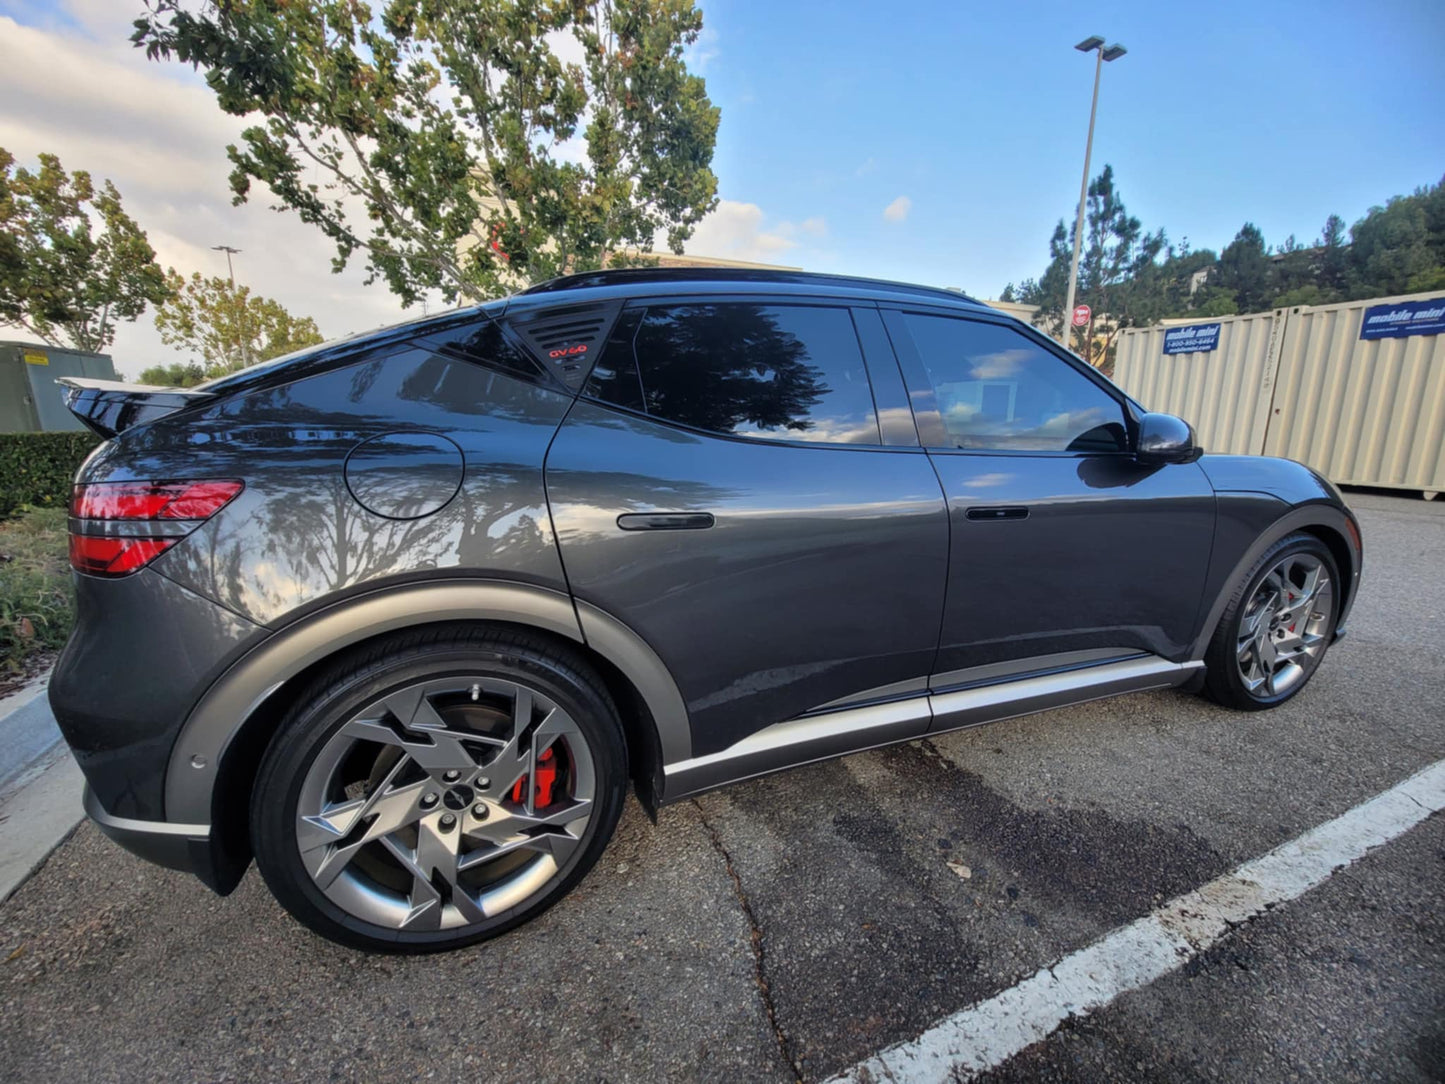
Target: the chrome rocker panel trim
(823, 736)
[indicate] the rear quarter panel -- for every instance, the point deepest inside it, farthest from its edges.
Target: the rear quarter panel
(297, 535)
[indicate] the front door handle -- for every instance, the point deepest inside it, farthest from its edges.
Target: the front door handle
(665, 521)
(1013, 511)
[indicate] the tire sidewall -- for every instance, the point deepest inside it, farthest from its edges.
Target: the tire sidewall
(319, 715)
(1229, 686)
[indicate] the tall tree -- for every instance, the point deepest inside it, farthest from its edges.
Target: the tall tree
(440, 138)
(72, 262)
(225, 327)
(1244, 270)
(1118, 275)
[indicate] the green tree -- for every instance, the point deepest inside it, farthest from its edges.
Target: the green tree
(72, 262)
(1244, 270)
(175, 375)
(1118, 274)
(440, 138)
(1394, 249)
(225, 326)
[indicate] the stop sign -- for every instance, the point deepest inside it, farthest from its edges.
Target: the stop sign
(1081, 315)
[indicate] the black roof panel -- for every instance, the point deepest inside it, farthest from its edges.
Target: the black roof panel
(658, 278)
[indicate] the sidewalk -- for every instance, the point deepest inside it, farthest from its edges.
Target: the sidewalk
(40, 785)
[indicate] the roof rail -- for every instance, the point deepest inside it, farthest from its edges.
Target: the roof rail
(623, 276)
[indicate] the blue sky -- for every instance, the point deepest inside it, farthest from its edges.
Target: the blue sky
(967, 119)
(1279, 113)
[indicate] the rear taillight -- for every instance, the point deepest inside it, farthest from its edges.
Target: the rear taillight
(119, 527)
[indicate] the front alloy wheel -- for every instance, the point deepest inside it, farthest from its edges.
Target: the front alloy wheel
(439, 795)
(1283, 628)
(1274, 634)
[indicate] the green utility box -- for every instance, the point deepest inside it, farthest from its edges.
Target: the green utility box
(30, 400)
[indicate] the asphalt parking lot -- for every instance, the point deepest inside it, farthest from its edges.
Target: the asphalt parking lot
(790, 927)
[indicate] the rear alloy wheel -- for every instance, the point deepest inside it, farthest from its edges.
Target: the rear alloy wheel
(439, 795)
(1276, 631)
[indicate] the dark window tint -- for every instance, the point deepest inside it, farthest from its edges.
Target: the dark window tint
(614, 377)
(781, 372)
(484, 343)
(997, 389)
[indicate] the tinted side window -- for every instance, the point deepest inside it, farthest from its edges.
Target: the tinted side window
(484, 343)
(997, 389)
(782, 372)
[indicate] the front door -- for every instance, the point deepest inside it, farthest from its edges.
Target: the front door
(725, 489)
(1065, 552)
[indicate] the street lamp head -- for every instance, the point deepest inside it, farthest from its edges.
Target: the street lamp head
(1114, 52)
(1088, 45)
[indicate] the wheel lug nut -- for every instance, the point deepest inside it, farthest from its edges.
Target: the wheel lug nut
(449, 820)
(451, 776)
(484, 783)
(428, 800)
(480, 811)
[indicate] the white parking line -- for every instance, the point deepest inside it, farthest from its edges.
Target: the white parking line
(988, 1033)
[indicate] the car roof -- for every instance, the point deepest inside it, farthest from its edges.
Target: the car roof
(638, 282)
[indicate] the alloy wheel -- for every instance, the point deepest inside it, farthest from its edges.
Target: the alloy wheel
(1284, 626)
(445, 803)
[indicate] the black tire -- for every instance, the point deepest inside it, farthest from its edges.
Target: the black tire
(394, 663)
(1224, 681)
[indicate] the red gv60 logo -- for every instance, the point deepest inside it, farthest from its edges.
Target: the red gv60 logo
(567, 351)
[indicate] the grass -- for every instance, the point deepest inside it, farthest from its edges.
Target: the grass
(37, 601)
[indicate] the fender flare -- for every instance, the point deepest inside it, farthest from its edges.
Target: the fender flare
(206, 736)
(1297, 519)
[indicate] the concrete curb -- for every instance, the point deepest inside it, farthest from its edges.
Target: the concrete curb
(40, 785)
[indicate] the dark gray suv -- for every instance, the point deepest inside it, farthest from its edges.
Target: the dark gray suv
(402, 616)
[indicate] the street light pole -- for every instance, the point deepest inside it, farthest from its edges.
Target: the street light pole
(1093, 44)
(241, 315)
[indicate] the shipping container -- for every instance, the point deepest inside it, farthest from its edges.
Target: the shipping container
(1304, 384)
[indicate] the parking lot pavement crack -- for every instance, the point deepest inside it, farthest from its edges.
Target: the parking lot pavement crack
(759, 947)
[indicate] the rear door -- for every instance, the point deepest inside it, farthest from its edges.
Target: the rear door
(733, 487)
(1065, 551)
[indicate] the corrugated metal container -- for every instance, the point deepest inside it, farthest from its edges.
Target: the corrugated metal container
(1302, 384)
(1361, 411)
(1223, 393)
(30, 399)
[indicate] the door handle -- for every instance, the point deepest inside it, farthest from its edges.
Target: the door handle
(998, 512)
(665, 521)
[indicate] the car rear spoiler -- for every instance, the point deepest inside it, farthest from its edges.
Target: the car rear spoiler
(109, 407)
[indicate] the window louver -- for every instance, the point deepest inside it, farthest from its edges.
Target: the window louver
(567, 341)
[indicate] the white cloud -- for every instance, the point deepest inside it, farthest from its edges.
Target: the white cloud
(83, 93)
(898, 210)
(739, 231)
(867, 166)
(702, 52)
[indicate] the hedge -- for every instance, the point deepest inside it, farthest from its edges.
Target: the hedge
(38, 468)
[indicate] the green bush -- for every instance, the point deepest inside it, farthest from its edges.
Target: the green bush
(38, 468)
(37, 605)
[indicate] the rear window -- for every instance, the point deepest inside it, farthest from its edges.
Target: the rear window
(771, 372)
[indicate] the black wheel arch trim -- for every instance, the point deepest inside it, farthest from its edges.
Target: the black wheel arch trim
(199, 755)
(1312, 518)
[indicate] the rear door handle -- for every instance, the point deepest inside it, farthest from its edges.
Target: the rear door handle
(665, 521)
(1014, 511)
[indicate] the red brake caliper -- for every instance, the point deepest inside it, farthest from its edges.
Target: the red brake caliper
(546, 780)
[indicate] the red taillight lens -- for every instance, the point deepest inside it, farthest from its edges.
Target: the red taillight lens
(115, 556)
(107, 545)
(151, 500)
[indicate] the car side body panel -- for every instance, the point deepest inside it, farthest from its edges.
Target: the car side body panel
(793, 598)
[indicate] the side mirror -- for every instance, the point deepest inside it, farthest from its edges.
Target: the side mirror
(1163, 438)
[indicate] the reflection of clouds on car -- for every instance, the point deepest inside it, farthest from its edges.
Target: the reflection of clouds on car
(1001, 365)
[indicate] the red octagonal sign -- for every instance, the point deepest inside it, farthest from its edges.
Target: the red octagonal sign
(1081, 315)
